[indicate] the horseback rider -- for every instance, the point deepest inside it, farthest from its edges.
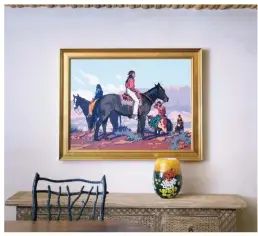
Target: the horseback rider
(160, 120)
(98, 95)
(161, 109)
(180, 123)
(180, 120)
(133, 92)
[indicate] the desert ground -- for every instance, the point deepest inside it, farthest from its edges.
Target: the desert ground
(83, 140)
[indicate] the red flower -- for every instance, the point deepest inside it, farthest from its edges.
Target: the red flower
(170, 174)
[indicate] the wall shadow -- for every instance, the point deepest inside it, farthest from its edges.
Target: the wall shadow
(247, 218)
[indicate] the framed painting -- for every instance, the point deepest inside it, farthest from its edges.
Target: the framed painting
(130, 104)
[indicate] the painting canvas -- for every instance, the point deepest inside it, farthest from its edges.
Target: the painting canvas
(130, 104)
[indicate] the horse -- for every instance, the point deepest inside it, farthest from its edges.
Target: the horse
(164, 124)
(84, 105)
(114, 102)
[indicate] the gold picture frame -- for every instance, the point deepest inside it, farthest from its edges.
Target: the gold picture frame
(69, 56)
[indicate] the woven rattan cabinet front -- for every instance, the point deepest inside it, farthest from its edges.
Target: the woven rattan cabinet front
(185, 213)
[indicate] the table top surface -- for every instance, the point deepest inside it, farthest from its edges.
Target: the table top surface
(73, 226)
(139, 200)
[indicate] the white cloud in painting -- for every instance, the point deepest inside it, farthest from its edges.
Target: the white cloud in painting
(111, 88)
(87, 94)
(79, 80)
(90, 78)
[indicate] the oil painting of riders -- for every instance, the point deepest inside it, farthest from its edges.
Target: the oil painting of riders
(127, 104)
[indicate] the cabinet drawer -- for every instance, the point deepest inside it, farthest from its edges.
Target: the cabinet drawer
(190, 224)
(149, 221)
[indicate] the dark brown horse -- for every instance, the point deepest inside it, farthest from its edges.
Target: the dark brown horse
(112, 102)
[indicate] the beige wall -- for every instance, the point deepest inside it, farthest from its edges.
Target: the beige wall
(33, 38)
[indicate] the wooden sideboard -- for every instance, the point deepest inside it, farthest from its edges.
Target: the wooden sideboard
(196, 213)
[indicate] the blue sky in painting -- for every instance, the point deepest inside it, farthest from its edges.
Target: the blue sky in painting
(111, 74)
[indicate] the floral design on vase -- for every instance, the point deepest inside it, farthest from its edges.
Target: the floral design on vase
(167, 177)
